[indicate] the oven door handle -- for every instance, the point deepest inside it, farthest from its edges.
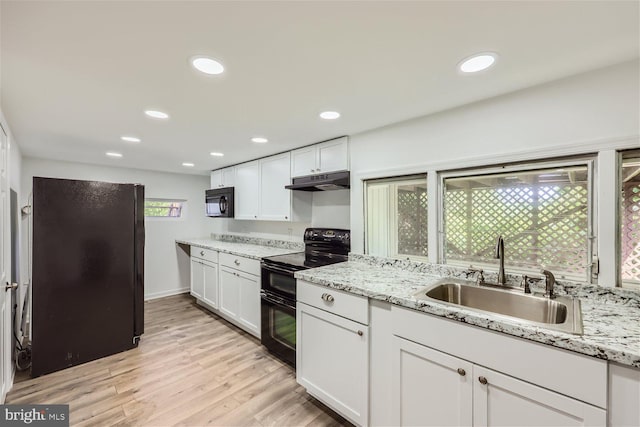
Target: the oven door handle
(276, 300)
(271, 267)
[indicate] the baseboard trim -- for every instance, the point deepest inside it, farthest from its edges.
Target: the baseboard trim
(162, 294)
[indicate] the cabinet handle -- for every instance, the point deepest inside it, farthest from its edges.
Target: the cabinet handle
(327, 297)
(202, 253)
(360, 333)
(313, 170)
(286, 217)
(482, 380)
(236, 262)
(462, 372)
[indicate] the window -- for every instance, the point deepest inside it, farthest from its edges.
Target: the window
(159, 208)
(396, 217)
(542, 214)
(630, 219)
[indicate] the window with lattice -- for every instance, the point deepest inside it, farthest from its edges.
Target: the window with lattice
(542, 214)
(163, 208)
(396, 219)
(630, 219)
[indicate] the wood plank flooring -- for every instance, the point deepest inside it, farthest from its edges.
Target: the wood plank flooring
(190, 369)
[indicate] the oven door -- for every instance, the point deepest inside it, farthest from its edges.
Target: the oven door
(278, 280)
(279, 326)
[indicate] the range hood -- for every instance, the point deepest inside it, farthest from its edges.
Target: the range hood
(321, 182)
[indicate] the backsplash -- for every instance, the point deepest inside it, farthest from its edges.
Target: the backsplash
(563, 287)
(274, 243)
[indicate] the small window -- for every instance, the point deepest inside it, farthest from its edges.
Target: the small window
(542, 214)
(158, 208)
(630, 219)
(396, 217)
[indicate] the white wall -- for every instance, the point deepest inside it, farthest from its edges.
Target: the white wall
(591, 111)
(165, 270)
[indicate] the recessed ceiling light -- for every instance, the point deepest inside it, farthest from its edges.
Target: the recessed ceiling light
(329, 115)
(215, 154)
(478, 62)
(156, 114)
(130, 139)
(259, 139)
(207, 65)
(113, 154)
(188, 164)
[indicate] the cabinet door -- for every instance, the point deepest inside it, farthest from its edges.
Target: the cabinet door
(228, 177)
(229, 292)
(210, 284)
(304, 161)
(247, 190)
(332, 361)
(500, 400)
(216, 179)
(249, 307)
(333, 155)
(197, 279)
(430, 388)
(275, 200)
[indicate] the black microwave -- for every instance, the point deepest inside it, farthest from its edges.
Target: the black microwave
(219, 202)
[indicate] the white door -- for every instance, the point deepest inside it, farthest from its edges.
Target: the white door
(229, 292)
(275, 200)
(333, 155)
(430, 388)
(304, 161)
(332, 361)
(249, 309)
(197, 278)
(210, 272)
(5, 274)
(500, 400)
(247, 190)
(216, 179)
(228, 177)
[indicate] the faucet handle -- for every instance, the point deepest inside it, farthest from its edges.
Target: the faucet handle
(527, 281)
(472, 270)
(549, 282)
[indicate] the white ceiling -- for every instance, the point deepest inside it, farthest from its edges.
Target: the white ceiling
(78, 75)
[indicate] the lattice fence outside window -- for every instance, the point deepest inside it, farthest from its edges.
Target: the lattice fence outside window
(542, 216)
(163, 208)
(630, 221)
(412, 220)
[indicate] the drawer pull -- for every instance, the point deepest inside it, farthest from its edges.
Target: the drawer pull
(462, 372)
(360, 333)
(482, 380)
(202, 253)
(327, 297)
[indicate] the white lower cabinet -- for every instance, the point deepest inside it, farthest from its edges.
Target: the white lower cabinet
(332, 355)
(240, 299)
(197, 278)
(500, 400)
(210, 272)
(432, 388)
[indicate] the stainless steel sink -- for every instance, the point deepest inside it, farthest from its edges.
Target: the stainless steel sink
(561, 313)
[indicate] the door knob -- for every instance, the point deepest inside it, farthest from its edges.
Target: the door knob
(8, 286)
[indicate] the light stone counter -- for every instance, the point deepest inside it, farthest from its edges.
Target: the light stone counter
(611, 317)
(254, 249)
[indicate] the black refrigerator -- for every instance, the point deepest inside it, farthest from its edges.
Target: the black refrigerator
(88, 271)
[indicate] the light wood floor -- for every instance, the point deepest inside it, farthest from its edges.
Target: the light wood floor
(191, 368)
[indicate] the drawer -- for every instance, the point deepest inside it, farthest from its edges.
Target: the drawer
(354, 307)
(248, 265)
(205, 254)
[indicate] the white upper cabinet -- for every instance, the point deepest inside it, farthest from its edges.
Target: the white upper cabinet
(223, 177)
(275, 200)
(247, 190)
(325, 157)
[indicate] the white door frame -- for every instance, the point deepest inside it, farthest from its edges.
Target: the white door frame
(6, 374)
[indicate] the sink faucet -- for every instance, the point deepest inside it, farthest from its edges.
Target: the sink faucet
(549, 281)
(499, 254)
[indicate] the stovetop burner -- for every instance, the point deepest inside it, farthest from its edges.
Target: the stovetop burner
(304, 260)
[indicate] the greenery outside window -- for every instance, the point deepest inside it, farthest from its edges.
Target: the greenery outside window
(630, 219)
(396, 217)
(162, 208)
(543, 214)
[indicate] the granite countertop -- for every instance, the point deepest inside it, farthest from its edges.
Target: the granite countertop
(250, 249)
(611, 317)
